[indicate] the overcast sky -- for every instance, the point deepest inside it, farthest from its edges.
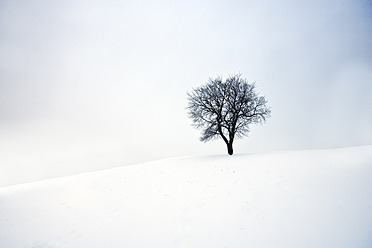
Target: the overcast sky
(86, 85)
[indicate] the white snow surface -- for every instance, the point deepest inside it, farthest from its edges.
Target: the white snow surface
(319, 198)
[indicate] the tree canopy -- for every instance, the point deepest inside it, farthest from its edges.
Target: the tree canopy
(225, 108)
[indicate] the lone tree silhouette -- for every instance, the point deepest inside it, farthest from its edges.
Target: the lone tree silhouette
(226, 108)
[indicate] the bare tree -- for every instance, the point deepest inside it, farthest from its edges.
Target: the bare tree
(226, 108)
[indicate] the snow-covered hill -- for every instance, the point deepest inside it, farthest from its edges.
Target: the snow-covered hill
(288, 199)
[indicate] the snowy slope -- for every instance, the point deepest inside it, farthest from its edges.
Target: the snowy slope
(288, 199)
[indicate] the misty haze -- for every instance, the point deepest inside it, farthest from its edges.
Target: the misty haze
(96, 139)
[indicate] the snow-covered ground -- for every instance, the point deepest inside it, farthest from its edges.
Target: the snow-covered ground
(320, 198)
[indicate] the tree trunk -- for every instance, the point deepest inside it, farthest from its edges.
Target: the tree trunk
(230, 148)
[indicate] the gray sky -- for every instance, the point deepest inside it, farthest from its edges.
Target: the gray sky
(86, 85)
